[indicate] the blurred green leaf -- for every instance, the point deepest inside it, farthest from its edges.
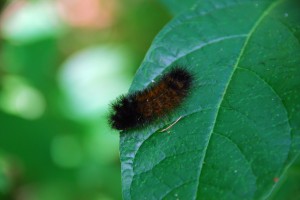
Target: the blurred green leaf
(36, 61)
(289, 185)
(241, 125)
(27, 137)
(178, 6)
(2, 4)
(65, 150)
(4, 182)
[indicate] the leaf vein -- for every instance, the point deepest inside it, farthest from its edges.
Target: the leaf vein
(274, 91)
(251, 32)
(249, 162)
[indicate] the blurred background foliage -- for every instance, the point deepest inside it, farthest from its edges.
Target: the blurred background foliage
(62, 62)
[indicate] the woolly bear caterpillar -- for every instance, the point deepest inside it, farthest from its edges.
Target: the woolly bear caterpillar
(142, 107)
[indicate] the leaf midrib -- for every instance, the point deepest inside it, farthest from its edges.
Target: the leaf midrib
(254, 28)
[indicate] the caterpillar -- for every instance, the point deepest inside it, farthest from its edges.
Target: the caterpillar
(142, 107)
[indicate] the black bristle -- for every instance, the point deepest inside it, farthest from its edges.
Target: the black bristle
(124, 113)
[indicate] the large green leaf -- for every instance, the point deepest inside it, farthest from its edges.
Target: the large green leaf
(240, 127)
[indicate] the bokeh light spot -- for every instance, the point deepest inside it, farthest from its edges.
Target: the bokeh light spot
(21, 99)
(32, 21)
(92, 78)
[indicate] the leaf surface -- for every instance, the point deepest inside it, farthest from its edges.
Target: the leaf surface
(240, 126)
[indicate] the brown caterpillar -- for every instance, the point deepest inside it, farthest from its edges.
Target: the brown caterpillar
(142, 107)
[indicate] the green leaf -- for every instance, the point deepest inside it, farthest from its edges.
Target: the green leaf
(240, 127)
